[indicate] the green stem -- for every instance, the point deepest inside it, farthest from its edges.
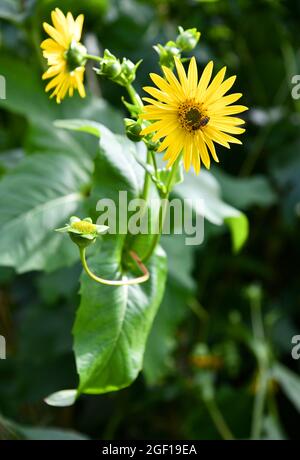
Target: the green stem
(261, 354)
(147, 180)
(134, 96)
(93, 58)
(140, 279)
(162, 210)
(259, 404)
(219, 420)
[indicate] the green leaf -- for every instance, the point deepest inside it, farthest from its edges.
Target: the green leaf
(289, 382)
(247, 191)
(164, 175)
(205, 187)
(179, 291)
(51, 434)
(13, 431)
(63, 398)
(42, 193)
(113, 323)
(239, 227)
(85, 126)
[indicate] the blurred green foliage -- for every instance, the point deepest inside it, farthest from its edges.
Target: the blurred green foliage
(205, 350)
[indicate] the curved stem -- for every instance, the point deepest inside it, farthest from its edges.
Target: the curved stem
(134, 256)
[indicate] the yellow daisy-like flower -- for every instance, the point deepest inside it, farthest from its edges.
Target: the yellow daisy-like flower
(192, 115)
(65, 55)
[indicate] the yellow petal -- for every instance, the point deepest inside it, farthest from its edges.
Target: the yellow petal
(231, 110)
(226, 100)
(192, 77)
(224, 87)
(215, 84)
(59, 38)
(159, 95)
(78, 27)
(204, 80)
(181, 75)
(174, 83)
(162, 84)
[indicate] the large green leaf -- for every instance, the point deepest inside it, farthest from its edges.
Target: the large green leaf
(180, 290)
(35, 198)
(244, 192)
(205, 187)
(113, 323)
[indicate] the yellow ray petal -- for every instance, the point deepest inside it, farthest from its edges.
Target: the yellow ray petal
(203, 151)
(162, 84)
(78, 27)
(216, 136)
(196, 160)
(228, 129)
(215, 84)
(160, 95)
(59, 38)
(181, 75)
(192, 77)
(224, 87)
(160, 105)
(174, 83)
(231, 110)
(226, 100)
(204, 80)
(211, 147)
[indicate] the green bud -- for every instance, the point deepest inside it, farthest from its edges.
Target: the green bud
(75, 55)
(254, 293)
(110, 66)
(167, 53)
(187, 39)
(82, 232)
(128, 71)
(133, 129)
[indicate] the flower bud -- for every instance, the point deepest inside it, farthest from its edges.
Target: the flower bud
(167, 53)
(82, 232)
(128, 71)
(133, 129)
(187, 39)
(110, 66)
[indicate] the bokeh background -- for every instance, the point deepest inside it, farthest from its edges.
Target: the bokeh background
(204, 354)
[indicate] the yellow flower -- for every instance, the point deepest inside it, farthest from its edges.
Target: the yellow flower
(192, 115)
(65, 55)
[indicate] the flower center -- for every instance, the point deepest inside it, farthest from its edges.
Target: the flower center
(191, 116)
(75, 55)
(84, 227)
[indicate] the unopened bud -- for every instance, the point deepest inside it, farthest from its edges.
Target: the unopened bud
(187, 39)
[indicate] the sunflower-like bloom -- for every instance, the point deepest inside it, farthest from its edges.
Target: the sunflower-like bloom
(65, 55)
(192, 115)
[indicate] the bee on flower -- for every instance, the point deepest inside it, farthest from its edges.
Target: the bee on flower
(191, 115)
